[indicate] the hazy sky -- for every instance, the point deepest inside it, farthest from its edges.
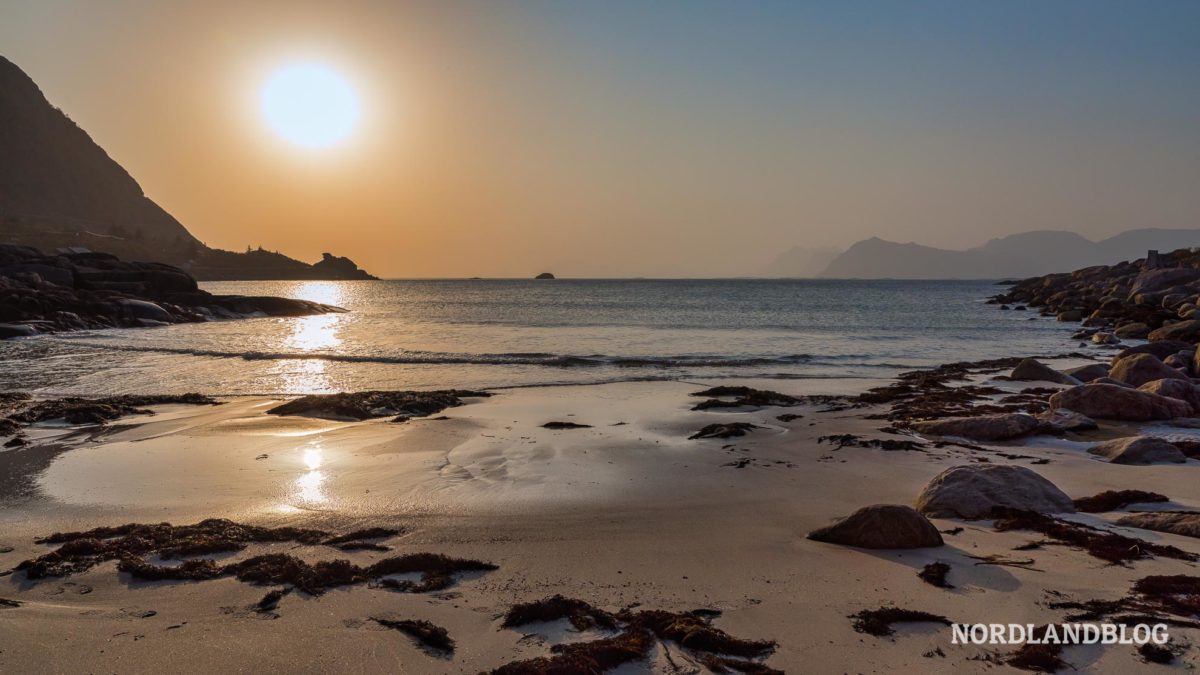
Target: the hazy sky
(645, 139)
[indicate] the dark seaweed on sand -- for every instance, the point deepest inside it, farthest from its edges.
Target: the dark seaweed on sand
(935, 574)
(724, 430)
(878, 622)
(1114, 548)
(131, 544)
(426, 633)
(692, 631)
(1111, 500)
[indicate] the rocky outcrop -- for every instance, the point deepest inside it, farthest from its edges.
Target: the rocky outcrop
(1139, 369)
(1034, 370)
(972, 491)
(882, 526)
(545, 275)
(981, 428)
(1138, 450)
(49, 293)
(1130, 299)
(1110, 401)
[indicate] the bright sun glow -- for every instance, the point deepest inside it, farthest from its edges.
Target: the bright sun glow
(310, 104)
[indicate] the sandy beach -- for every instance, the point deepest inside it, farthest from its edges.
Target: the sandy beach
(627, 511)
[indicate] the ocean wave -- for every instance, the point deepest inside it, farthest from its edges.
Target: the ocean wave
(509, 358)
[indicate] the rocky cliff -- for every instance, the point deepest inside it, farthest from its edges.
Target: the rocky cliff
(59, 189)
(42, 293)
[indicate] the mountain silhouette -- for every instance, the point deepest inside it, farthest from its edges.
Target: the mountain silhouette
(1020, 255)
(59, 189)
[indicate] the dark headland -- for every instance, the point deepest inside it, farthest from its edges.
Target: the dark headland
(59, 190)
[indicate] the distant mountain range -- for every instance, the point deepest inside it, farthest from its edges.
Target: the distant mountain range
(59, 189)
(1017, 256)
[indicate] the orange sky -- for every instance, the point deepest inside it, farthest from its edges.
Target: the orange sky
(614, 139)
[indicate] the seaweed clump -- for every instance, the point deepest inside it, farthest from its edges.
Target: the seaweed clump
(1111, 500)
(76, 410)
(878, 622)
(743, 397)
(935, 574)
(582, 615)
(365, 405)
(692, 631)
(80, 551)
(1109, 546)
(426, 633)
(131, 544)
(730, 430)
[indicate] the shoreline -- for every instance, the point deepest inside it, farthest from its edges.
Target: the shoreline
(611, 515)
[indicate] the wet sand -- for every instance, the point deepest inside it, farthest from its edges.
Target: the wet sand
(628, 510)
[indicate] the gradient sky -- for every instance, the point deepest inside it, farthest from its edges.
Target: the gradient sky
(638, 138)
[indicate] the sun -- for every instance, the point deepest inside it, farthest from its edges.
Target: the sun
(310, 105)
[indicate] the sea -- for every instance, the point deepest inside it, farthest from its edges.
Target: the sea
(434, 334)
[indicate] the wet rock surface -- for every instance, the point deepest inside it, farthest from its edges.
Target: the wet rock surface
(982, 427)
(1138, 450)
(41, 293)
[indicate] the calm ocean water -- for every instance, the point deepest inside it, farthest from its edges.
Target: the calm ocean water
(491, 333)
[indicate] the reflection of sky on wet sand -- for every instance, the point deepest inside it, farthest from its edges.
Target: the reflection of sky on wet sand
(308, 490)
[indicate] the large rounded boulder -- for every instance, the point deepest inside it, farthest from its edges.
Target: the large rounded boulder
(973, 490)
(1115, 402)
(1183, 390)
(881, 526)
(1138, 450)
(1034, 370)
(1139, 369)
(981, 428)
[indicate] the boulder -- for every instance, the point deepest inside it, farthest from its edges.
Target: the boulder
(1087, 373)
(1142, 368)
(1183, 390)
(1109, 380)
(143, 309)
(1187, 330)
(1070, 315)
(1063, 420)
(1138, 450)
(1161, 349)
(981, 428)
(1110, 401)
(1155, 280)
(1032, 369)
(973, 490)
(12, 330)
(881, 526)
(1103, 338)
(1175, 522)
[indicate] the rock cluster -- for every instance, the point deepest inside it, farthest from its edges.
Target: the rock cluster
(1129, 300)
(42, 293)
